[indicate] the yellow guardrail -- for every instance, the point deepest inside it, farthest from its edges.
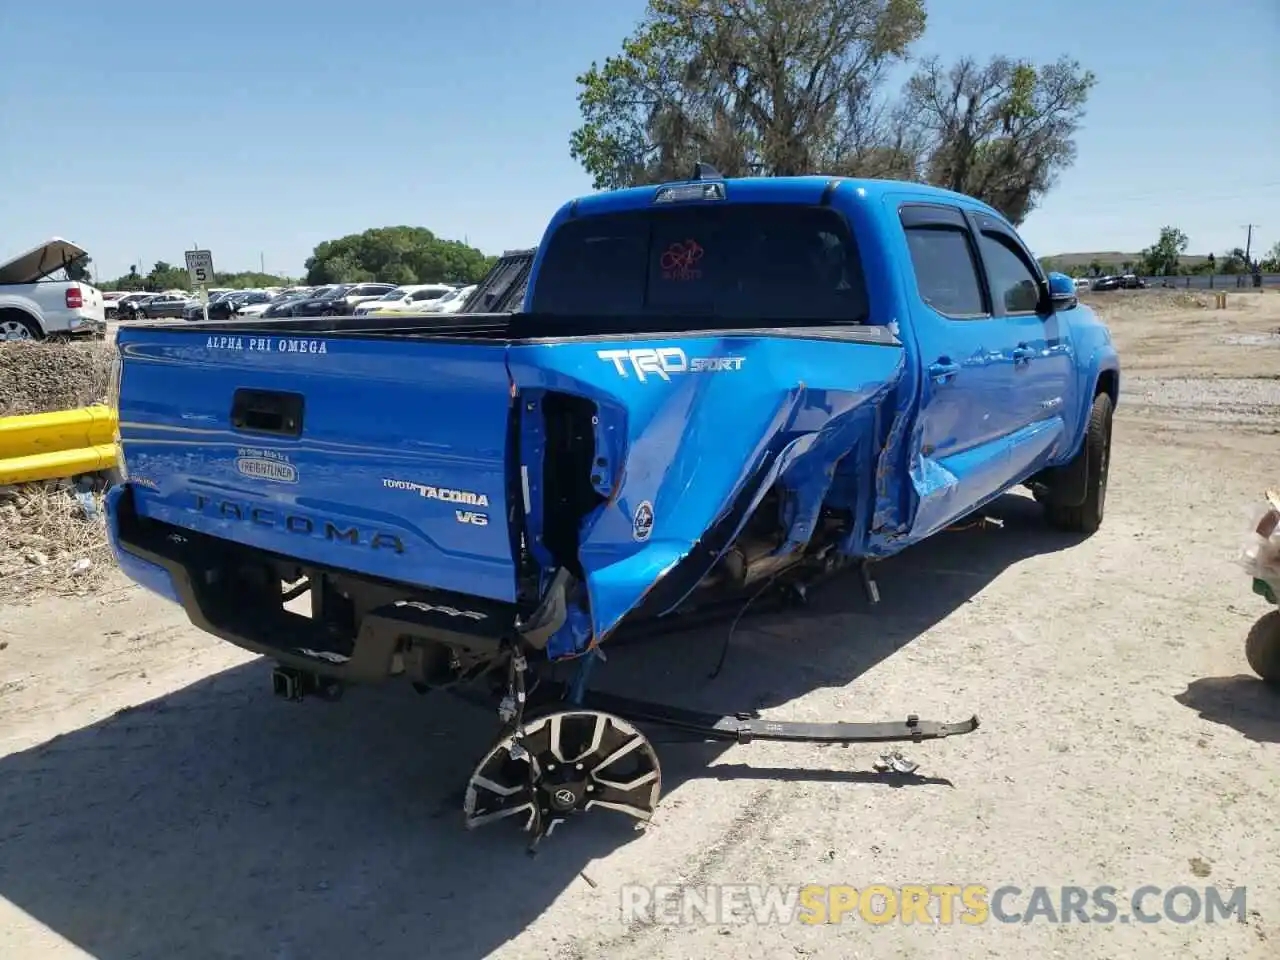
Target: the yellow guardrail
(60, 430)
(59, 463)
(47, 446)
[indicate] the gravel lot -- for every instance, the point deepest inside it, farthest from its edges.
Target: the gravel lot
(158, 802)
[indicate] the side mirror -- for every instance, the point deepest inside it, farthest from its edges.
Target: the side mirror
(1062, 292)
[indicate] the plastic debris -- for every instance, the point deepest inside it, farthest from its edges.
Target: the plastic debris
(81, 567)
(88, 505)
(1260, 555)
(895, 762)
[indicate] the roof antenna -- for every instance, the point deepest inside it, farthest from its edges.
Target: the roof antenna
(705, 171)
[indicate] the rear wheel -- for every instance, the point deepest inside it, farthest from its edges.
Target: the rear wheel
(16, 325)
(1262, 648)
(1086, 518)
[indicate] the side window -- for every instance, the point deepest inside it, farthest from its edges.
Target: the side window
(946, 272)
(1013, 286)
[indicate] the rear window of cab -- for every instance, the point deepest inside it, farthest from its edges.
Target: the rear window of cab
(749, 263)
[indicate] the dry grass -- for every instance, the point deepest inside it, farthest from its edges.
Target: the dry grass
(44, 536)
(45, 541)
(39, 377)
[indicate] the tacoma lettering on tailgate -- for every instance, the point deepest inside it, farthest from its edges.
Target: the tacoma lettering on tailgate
(301, 524)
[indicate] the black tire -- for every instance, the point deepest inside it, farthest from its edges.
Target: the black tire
(1087, 517)
(17, 325)
(1262, 647)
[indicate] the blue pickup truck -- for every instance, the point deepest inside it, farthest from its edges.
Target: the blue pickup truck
(715, 387)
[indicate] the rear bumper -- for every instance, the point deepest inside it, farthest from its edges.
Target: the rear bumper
(196, 571)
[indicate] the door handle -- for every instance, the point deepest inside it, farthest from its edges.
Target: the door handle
(943, 369)
(266, 411)
(1022, 353)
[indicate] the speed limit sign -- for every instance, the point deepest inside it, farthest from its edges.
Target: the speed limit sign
(200, 267)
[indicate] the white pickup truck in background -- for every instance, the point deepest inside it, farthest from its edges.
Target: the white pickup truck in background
(33, 307)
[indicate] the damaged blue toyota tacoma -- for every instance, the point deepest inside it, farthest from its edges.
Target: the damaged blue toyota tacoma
(715, 388)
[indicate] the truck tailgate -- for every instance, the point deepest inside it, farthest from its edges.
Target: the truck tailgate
(382, 456)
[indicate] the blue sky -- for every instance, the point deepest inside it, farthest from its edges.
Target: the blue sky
(259, 129)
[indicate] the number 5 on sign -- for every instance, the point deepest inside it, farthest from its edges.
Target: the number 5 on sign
(200, 266)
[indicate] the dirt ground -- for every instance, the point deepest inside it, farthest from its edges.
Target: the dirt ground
(157, 802)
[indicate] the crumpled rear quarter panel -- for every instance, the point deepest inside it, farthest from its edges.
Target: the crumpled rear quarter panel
(686, 444)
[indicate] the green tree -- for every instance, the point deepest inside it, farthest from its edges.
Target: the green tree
(395, 255)
(1001, 131)
(770, 87)
(1271, 261)
(165, 276)
(777, 87)
(1161, 258)
(1233, 261)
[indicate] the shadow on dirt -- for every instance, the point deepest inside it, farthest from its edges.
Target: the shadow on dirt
(1243, 702)
(219, 822)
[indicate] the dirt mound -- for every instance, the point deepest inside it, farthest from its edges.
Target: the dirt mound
(52, 540)
(39, 377)
(1147, 301)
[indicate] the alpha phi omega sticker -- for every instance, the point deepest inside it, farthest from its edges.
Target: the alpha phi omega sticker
(642, 522)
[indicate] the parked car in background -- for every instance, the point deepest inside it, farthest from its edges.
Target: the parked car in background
(288, 307)
(1099, 284)
(325, 302)
(364, 293)
(127, 307)
(111, 301)
(234, 303)
(260, 309)
(122, 306)
(33, 307)
(162, 306)
(1130, 282)
(341, 299)
(411, 298)
(195, 309)
(452, 302)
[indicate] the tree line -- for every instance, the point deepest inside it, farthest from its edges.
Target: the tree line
(390, 254)
(780, 87)
(1164, 259)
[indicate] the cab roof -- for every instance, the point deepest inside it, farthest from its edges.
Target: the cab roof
(796, 190)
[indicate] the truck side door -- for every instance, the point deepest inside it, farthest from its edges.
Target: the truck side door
(971, 413)
(1041, 381)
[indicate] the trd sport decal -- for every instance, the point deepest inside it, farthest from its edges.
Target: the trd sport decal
(662, 362)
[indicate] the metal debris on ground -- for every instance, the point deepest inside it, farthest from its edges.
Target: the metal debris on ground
(895, 762)
(980, 524)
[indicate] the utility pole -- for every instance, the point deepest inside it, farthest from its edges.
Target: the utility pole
(1248, 242)
(262, 263)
